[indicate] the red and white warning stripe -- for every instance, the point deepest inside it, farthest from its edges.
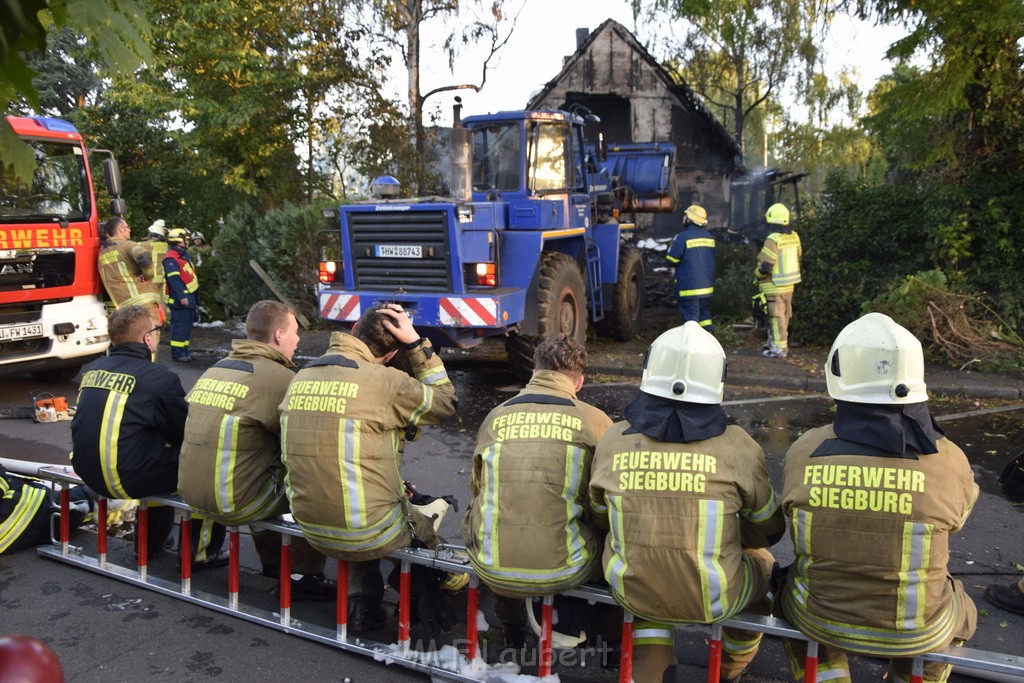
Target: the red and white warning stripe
(469, 312)
(339, 306)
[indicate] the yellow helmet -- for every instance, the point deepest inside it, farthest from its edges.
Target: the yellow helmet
(876, 360)
(177, 235)
(777, 214)
(696, 214)
(685, 363)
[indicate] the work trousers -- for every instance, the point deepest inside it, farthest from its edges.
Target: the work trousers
(697, 309)
(780, 311)
(653, 642)
(364, 577)
(834, 667)
(182, 318)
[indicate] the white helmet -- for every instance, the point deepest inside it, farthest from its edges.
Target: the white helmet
(158, 228)
(685, 363)
(875, 360)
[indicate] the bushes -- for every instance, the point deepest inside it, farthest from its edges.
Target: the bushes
(282, 241)
(953, 327)
(856, 242)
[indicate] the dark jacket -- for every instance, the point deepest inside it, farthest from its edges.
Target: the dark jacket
(129, 426)
(693, 254)
(180, 281)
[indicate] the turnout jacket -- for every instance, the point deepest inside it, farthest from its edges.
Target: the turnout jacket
(693, 254)
(679, 516)
(528, 530)
(128, 428)
(344, 422)
(122, 262)
(21, 502)
(230, 468)
(778, 263)
(871, 536)
(158, 250)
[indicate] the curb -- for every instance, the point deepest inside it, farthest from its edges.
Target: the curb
(1005, 391)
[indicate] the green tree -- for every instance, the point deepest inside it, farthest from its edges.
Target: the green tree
(949, 119)
(117, 29)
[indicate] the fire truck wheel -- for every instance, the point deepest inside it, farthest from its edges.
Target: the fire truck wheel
(622, 319)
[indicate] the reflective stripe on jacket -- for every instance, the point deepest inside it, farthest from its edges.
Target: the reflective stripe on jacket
(344, 422)
(781, 250)
(230, 467)
(528, 528)
(871, 536)
(158, 250)
(693, 254)
(676, 514)
(20, 502)
(129, 425)
(122, 263)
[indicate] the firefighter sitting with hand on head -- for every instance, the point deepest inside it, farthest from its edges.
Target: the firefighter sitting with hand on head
(344, 423)
(872, 500)
(689, 505)
(528, 528)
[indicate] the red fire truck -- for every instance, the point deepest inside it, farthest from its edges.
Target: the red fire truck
(52, 318)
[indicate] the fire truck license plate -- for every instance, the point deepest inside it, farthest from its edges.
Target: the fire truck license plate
(21, 332)
(398, 251)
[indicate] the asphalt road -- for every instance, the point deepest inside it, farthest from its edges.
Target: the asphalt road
(105, 630)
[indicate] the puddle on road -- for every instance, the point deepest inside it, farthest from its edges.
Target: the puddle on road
(989, 436)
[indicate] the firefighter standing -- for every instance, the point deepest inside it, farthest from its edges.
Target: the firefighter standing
(182, 288)
(776, 274)
(230, 468)
(689, 506)
(344, 424)
(156, 242)
(693, 255)
(872, 499)
(197, 247)
(528, 528)
(127, 270)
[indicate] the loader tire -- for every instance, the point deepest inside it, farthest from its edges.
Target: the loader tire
(561, 309)
(622, 316)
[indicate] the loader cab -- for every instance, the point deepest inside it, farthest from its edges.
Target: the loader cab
(534, 162)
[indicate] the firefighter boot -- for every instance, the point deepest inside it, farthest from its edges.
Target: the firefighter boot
(366, 607)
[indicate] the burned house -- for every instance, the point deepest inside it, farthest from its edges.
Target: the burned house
(638, 101)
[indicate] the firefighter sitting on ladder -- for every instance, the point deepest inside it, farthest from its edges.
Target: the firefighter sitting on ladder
(689, 504)
(528, 530)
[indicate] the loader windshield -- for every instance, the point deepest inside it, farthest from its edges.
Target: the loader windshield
(58, 189)
(497, 154)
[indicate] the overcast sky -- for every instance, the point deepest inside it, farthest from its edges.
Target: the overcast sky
(546, 33)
